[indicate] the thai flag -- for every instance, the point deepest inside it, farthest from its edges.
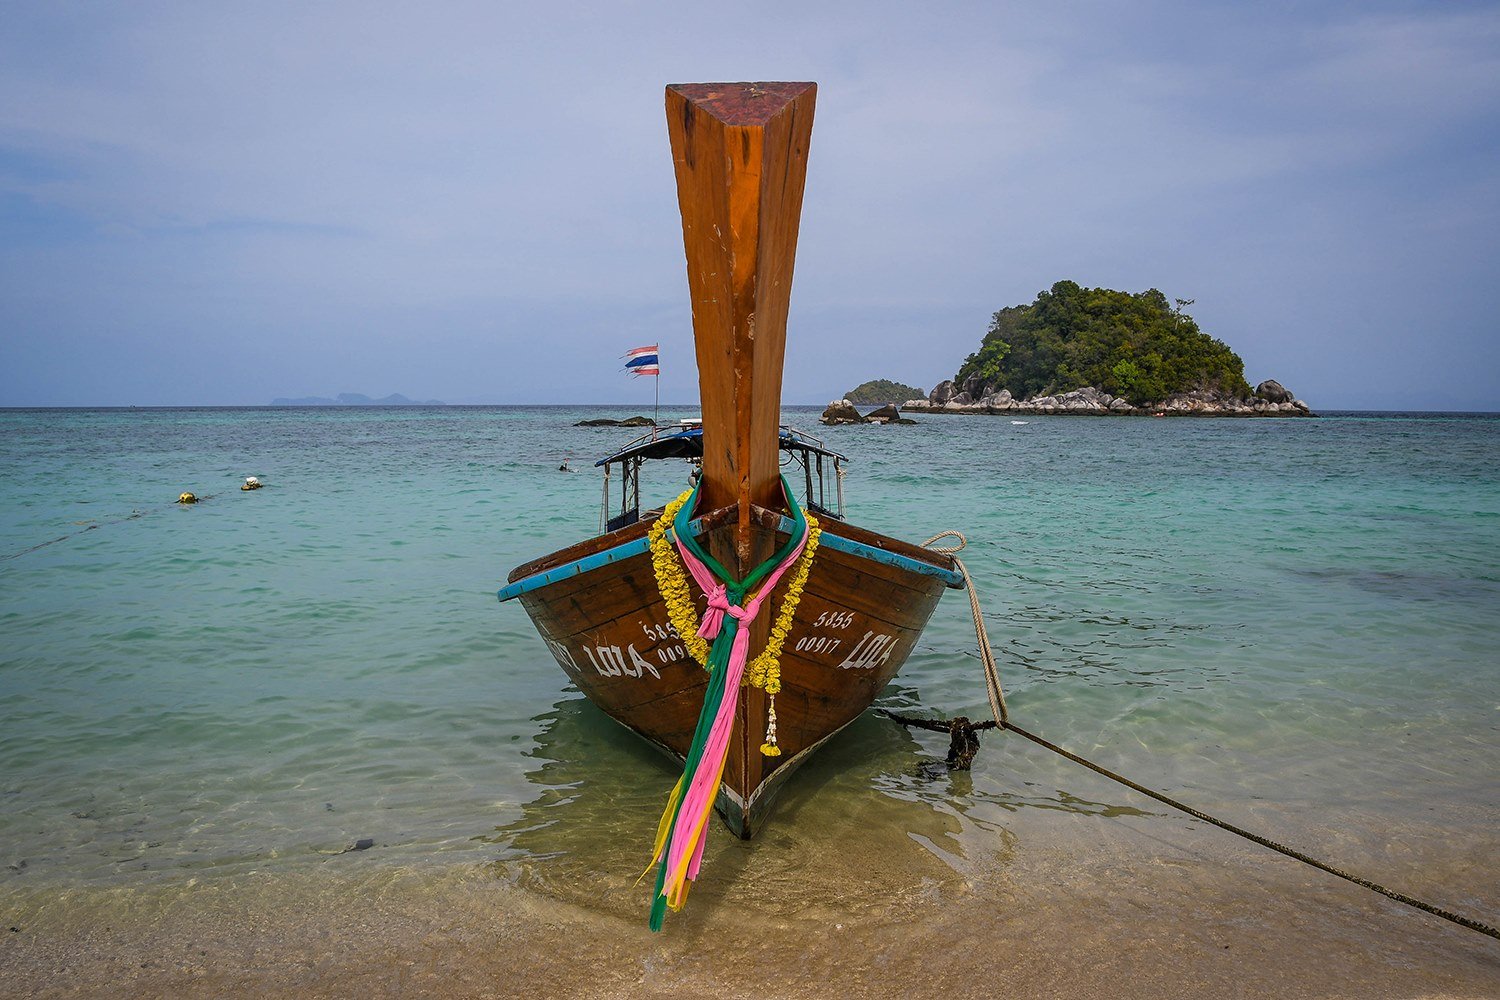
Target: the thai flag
(642, 361)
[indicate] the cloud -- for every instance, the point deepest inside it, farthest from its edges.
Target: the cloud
(481, 196)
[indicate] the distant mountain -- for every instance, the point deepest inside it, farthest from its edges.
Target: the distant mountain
(356, 399)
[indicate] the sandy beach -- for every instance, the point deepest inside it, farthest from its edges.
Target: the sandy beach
(1150, 906)
(1188, 932)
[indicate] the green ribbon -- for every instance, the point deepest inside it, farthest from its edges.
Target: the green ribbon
(737, 589)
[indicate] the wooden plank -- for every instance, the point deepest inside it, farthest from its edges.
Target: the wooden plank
(875, 539)
(627, 590)
(740, 155)
(849, 657)
(579, 550)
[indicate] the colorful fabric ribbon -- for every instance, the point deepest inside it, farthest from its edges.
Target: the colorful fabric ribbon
(683, 831)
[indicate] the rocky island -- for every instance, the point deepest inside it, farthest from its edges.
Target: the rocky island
(1269, 399)
(612, 422)
(842, 411)
(1097, 351)
(881, 390)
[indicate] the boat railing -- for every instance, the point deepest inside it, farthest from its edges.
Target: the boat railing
(815, 481)
(799, 447)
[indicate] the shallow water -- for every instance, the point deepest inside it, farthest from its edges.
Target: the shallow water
(1292, 622)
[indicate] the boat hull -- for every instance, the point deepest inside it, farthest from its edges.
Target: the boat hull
(866, 602)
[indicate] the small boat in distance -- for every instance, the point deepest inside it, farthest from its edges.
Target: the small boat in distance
(852, 602)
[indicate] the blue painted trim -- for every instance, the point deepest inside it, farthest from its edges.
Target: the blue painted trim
(580, 566)
(576, 568)
(829, 540)
(642, 545)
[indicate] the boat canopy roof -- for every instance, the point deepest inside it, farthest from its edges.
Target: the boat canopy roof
(689, 444)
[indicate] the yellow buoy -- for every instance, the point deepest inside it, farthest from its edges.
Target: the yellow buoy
(187, 498)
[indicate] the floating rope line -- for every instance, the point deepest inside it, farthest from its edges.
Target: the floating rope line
(182, 500)
(75, 534)
(1002, 721)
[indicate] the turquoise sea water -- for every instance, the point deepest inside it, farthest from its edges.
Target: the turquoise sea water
(1295, 622)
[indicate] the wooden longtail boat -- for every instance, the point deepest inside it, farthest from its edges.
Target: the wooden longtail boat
(740, 152)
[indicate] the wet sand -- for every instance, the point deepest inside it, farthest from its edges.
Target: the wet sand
(1146, 906)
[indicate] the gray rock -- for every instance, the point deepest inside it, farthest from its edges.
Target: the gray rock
(1085, 400)
(1091, 400)
(886, 414)
(998, 402)
(841, 411)
(1204, 402)
(1273, 391)
(609, 422)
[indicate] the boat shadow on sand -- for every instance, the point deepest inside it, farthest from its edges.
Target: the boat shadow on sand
(874, 822)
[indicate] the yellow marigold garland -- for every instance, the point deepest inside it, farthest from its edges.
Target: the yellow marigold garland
(671, 581)
(765, 670)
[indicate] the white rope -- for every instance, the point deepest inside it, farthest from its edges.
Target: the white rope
(986, 656)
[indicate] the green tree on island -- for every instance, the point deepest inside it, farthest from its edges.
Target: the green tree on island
(1133, 345)
(882, 390)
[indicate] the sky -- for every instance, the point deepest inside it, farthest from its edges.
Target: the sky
(219, 204)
